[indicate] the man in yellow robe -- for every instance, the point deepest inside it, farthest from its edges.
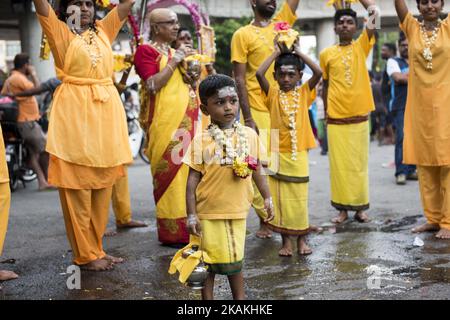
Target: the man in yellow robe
(250, 47)
(348, 101)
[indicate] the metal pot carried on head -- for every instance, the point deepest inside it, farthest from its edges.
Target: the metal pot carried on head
(198, 276)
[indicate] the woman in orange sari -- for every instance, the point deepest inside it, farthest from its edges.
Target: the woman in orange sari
(87, 137)
(169, 114)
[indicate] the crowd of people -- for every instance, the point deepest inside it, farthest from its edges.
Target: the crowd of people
(208, 168)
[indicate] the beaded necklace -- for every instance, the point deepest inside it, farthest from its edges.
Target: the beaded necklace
(291, 110)
(162, 48)
(429, 42)
(91, 46)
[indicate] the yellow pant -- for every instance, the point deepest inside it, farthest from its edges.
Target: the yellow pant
(5, 201)
(86, 216)
(434, 185)
(121, 200)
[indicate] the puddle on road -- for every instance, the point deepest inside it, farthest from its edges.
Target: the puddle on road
(342, 265)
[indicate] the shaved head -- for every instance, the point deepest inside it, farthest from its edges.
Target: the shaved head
(161, 15)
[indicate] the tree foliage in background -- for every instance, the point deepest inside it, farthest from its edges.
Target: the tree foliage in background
(224, 30)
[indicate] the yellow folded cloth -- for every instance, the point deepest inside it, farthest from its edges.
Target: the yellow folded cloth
(185, 266)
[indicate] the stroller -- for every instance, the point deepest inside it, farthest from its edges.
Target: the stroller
(16, 153)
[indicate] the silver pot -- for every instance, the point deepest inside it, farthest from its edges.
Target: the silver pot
(198, 277)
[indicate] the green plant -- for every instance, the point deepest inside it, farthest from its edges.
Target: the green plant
(224, 30)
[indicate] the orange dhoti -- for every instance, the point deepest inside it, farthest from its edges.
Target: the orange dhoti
(434, 184)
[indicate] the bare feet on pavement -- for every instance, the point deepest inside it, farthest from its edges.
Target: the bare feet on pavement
(427, 227)
(98, 265)
(341, 217)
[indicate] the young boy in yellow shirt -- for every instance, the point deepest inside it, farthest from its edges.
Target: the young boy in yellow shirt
(288, 104)
(223, 159)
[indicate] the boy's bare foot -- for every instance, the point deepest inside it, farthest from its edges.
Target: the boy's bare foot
(342, 216)
(131, 224)
(303, 248)
(7, 275)
(98, 265)
(361, 217)
(426, 227)
(286, 249)
(316, 229)
(112, 259)
(285, 252)
(264, 232)
(443, 234)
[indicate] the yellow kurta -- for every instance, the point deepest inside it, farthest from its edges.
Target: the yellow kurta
(88, 137)
(289, 181)
(345, 100)
(87, 125)
(349, 95)
(5, 193)
(427, 116)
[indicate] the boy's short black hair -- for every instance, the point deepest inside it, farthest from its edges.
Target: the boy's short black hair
(289, 59)
(20, 60)
(212, 84)
(345, 12)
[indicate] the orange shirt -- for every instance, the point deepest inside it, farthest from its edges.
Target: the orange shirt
(28, 106)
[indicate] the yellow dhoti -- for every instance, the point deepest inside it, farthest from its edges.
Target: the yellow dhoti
(224, 242)
(349, 165)
(289, 190)
(434, 185)
(86, 217)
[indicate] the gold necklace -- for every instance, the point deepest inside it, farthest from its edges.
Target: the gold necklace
(91, 46)
(347, 58)
(162, 48)
(429, 42)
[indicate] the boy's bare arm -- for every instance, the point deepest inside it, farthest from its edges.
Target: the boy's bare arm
(325, 96)
(261, 184)
(261, 73)
(191, 202)
(42, 7)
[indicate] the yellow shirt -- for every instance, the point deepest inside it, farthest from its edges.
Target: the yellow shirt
(253, 45)
(87, 124)
(220, 194)
(28, 106)
(4, 177)
(427, 116)
(348, 100)
(279, 119)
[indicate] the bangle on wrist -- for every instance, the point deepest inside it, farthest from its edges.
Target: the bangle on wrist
(171, 68)
(191, 219)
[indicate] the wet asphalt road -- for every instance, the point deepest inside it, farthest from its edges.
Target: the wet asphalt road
(354, 261)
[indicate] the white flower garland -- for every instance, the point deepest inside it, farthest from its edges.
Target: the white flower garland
(429, 42)
(225, 141)
(291, 109)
